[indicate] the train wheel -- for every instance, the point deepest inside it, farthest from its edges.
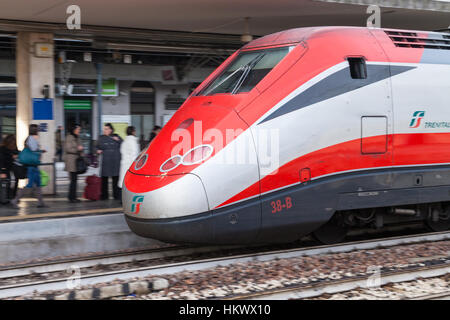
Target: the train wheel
(334, 231)
(443, 223)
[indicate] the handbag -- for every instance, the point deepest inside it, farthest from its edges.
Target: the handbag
(19, 170)
(29, 158)
(81, 165)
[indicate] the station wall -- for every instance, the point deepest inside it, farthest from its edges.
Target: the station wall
(125, 74)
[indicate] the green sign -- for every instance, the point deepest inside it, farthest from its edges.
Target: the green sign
(77, 104)
(109, 87)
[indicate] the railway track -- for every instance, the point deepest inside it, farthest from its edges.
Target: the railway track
(86, 280)
(102, 259)
(141, 254)
(437, 296)
(342, 286)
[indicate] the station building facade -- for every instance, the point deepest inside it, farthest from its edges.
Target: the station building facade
(138, 95)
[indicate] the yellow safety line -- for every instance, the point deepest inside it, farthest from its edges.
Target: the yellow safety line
(59, 214)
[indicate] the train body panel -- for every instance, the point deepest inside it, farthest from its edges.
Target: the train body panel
(343, 119)
(316, 200)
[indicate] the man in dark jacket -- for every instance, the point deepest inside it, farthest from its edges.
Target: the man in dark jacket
(109, 146)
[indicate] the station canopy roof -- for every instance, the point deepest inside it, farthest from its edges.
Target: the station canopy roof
(227, 16)
(201, 27)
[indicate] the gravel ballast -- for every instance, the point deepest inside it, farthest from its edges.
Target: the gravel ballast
(258, 276)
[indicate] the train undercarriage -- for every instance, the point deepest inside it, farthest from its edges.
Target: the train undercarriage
(435, 216)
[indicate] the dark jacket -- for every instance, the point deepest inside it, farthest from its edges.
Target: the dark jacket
(110, 156)
(6, 159)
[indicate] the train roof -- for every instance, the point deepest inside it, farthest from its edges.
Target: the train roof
(299, 34)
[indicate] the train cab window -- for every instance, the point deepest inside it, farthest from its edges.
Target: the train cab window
(246, 71)
(358, 69)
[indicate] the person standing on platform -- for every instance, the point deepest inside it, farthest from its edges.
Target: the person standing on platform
(72, 150)
(129, 150)
(33, 174)
(142, 142)
(8, 153)
(109, 147)
(154, 133)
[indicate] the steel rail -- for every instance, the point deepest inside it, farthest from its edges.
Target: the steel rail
(103, 259)
(436, 296)
(339, 286)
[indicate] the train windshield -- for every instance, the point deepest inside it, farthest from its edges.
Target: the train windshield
(246, 71)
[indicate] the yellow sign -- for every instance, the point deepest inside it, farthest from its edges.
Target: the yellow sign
(43, 50)
(120, 128)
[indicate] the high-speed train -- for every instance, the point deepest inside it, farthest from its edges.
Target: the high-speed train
(305, 131)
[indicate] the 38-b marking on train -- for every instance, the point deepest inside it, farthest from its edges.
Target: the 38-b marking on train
(280, 205)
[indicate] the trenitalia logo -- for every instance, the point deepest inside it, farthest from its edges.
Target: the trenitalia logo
(417, 117)
(136, 205)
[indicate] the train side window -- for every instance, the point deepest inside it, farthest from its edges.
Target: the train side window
(358, 69)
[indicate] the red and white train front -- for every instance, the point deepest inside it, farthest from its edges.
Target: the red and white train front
(182, 187)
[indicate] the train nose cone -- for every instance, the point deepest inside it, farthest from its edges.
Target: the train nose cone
(162, 213)
(184, 196)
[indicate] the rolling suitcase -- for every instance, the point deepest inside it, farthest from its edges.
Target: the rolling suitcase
(4, 191)
(93, 189)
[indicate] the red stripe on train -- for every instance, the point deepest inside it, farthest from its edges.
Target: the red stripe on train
(410, 149)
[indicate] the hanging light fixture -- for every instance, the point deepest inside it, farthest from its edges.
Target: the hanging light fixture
(246, 36)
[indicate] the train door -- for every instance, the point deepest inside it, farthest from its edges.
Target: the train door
(372, 110)
(375, 113)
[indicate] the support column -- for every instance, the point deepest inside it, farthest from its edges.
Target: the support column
(34, 70)
(98, 67)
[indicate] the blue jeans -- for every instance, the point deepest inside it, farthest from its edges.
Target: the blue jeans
(34, 177)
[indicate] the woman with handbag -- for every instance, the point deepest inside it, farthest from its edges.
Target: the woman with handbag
(32, 153)
(73, 153)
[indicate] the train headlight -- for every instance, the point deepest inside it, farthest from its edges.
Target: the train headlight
(141, 161)
(197, 154)
(193, 156)
(170, 163)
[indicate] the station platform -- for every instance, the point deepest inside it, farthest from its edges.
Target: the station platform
(58, 205)
(63, 229)
(63, 237)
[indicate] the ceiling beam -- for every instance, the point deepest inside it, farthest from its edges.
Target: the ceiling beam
(100, 33)
(433, 5)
